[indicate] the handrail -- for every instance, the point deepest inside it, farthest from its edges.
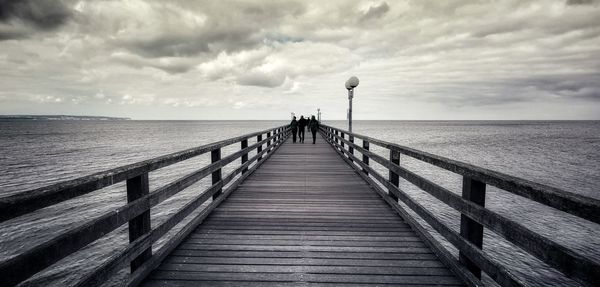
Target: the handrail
(137, 210)
(578, 205)
(31, 200)
(471, 205)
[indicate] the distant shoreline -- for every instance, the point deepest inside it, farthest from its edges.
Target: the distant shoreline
(58, 118)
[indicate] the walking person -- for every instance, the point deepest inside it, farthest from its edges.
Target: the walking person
(314, 127)
(302, 123)
(294, 126)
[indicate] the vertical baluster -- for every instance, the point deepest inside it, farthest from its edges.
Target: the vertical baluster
(215, 156)
(259, 148)
(350, 147)
(244, 144)
(343, 137)
(139, 225)
(394, 178)
(336, 135)
(474, 191)
(268, 141)
(365, 158)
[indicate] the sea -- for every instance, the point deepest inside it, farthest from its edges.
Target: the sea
(33, 154)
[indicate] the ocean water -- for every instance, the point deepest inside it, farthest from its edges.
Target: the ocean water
(38, 153)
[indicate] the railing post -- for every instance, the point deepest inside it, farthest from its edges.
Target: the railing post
(350, 147)
(244, 144)
(139, 225)
(394, 178)
(365, 158)
(474, 191)
(343, 137)
(215, 156)
(259, 148)
(336, 139)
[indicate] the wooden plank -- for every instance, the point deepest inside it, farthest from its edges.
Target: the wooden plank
(323, 269)
(393, 256)
(301, 277)
(303, 218)
(181, 283)
(304, 261)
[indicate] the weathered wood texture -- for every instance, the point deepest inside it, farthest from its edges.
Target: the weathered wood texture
(304, 218)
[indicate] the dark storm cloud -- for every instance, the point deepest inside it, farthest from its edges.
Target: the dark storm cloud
(583, 86)
(579, 2)
(516, 90)
(191, 45)
(42, 15)
(238, 27)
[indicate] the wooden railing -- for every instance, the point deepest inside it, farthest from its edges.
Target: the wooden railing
(474, 215)
(136, 212)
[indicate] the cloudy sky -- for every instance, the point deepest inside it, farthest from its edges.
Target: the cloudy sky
(416, 59)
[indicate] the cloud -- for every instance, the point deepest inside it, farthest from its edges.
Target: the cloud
(195, 54)
(177, 29)
(172, 65)
(376, 11)
(22, 17)
(579, 2)
(262, 79)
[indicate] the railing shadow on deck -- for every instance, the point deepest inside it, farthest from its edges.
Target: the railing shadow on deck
(474, 215)
(137, 210)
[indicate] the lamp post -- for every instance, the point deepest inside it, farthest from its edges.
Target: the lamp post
(319, 114)
(350, 85)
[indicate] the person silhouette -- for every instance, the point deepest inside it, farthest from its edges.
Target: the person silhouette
(294, 126)
(302, 122)
(314, 127)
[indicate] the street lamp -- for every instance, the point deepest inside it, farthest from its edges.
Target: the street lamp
(350, 85)
(319, 114)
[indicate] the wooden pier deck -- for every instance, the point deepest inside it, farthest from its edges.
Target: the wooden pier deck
(300, 215)
(304, 218)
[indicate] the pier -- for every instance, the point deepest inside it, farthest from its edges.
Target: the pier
(302, 215)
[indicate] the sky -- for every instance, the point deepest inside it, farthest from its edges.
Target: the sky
(198, 60)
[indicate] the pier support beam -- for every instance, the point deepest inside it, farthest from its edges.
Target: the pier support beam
(268, 141)
(365, 158)
(215, 156)
(472, 190)
(244, 144)
(394, 178)
(259, 148)
(137, 187)
(350, 147)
